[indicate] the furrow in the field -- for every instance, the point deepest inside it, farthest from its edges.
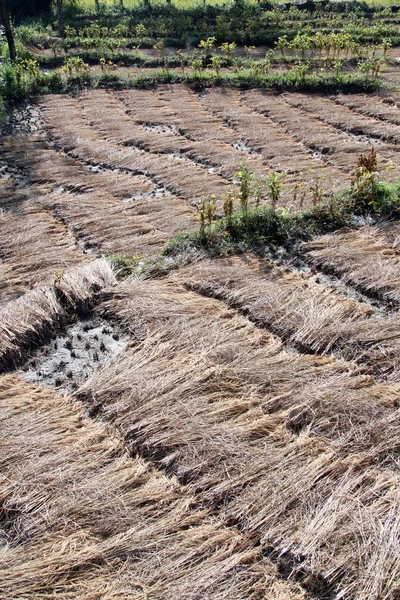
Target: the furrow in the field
(392, 81)
(66, 120)
(180, 107)
(194, 133)
(306, 313)
(303, 310)
(104, 111)
(82, 519)
(105, 211)
(368, 258)
(341, 117)
(277, 146)
(34, 247)
(11, 196)
(382, 108)
(341, 149)
(50, 170)
(296, 449)
(137, 226)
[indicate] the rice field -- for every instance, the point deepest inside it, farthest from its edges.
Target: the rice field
(243, 443)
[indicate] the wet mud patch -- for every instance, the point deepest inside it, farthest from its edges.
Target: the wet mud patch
(75, 353)
(157, 192)
(24, 119)
(160, 128)
(242, 146)
(13, 174)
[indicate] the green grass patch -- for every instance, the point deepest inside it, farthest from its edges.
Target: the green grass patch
(253, 228)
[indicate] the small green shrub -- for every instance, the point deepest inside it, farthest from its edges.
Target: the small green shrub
(254, 225)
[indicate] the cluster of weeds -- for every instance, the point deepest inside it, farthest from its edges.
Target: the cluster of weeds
(312, 82)
(369, 193)
(23, 78)
(252, 217)
(123, 264)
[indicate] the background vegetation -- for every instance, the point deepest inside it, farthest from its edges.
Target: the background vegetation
(316, 46)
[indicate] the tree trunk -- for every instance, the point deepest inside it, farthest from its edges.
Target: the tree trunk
(5, 19)
(97, 5)
(121, 3)
(60, 19)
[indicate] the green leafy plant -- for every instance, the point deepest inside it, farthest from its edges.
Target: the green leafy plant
(75, 64)
(274, 188)
(207, 45)
(206, 211)
(228, 209)
(228, 49)
(216, 63)
(197, 65)
(244, 179)
(160, 47)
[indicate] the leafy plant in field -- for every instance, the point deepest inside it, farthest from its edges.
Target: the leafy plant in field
(338, 66)
(182, 60)
(121, 30)
(244, 180)
(206, 211)
(274, 188)
(70, 32)
(317, 191)
(197, 65)
(207, 45)
(282, 44)
(386, 45)
(106, 65)
(237, 65)
(319, 42)
(56, 48)
(124, 264)
(249, 52)
(228, 49)
(370, 66)
(299, 193)
(366, 192)
(140, 31)
(301, 43)
(159, 46)
(299, 72)
(228, 208)
(261, 67)
(216, 63)
(75, 64)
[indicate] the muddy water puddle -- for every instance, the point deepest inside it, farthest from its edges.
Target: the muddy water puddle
(13, 174)
(242, 147)
(160, 128)
(73, 355)
(25, 119)
(158, 192)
